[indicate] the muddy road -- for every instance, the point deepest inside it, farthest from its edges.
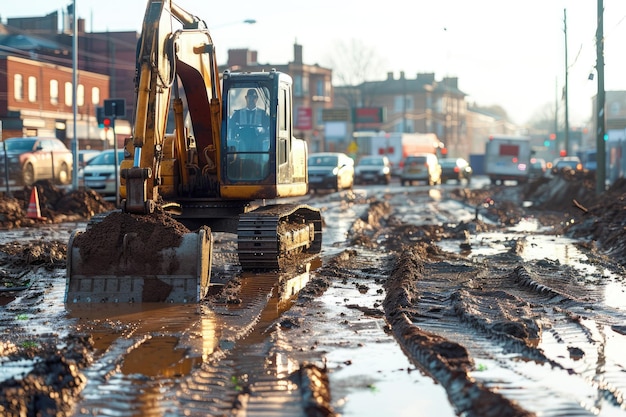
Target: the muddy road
(434, 301)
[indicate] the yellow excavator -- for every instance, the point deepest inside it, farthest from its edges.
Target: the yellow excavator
(205, 155)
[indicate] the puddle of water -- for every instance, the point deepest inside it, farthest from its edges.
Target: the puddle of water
(369, 373)
(16, 369)
(538, 247)
(387, 383)
(159, 357)
(167, 326)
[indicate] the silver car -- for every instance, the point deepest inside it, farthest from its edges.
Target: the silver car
(101, 174)
(330, 171)
(26, 160)
(375, 169)
(421, 167)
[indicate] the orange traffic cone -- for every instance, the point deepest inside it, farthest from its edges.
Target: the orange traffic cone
(34, 212)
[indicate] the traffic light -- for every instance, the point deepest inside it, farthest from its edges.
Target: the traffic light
(104, 121)
(100, 116)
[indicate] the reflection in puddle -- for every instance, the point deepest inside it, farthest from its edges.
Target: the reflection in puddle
(16, 369)
(143, 348)
(176, 336)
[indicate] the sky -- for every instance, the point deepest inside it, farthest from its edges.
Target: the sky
(503, 52)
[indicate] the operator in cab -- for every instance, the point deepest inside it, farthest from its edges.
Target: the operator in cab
(248, 138)
(250, 120)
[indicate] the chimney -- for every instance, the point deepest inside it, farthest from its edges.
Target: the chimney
(390, 76)
(426, 78)
(452, 82)
(297, 54)
(241, 58)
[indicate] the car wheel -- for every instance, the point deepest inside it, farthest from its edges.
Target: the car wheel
(28, 174)
(64, 175)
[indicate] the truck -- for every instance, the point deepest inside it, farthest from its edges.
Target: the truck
(211, 171)
(507, 158)
(397, 146)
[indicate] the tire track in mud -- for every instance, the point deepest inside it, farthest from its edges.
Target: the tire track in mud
(499, 310)
(241, 374)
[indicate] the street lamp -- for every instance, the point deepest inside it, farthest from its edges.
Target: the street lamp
(246, 21)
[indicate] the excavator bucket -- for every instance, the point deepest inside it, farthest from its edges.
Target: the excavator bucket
(138, 258)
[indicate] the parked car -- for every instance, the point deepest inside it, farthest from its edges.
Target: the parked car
(99, 173)
(330, 171)
(538, 167)
(84, 155)
(591, 162)
(567, 162)
(31, 159)
(456, 169)
(376, 169)
(421, 167)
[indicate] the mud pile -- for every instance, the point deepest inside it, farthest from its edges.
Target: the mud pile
(56, 205)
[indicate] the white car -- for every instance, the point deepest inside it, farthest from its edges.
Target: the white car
(99, 174)
(330, 171)
(375, 169)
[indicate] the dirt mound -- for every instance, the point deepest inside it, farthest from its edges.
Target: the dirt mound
(56, 205)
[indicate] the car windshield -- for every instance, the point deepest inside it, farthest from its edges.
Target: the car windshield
(326, 161)
(20, 145)
(106, 158)
(447, 162)
(572, 164)
(372, 161)
(416, 160)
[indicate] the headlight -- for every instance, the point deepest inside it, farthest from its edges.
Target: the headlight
(335, 171)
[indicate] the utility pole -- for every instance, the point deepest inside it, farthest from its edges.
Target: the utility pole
(556, 119)
(565, 91)
(600, 103)
(75, 146)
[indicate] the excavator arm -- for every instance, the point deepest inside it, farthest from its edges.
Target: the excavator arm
(166, 57)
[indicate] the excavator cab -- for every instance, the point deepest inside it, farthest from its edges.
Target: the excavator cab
(260, 155)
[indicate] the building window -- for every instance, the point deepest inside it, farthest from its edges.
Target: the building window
(297, 86)
(319, 87)
(410, 103)
(319, 116)
(403, 103)
(615, 108)
(95, 96)
(80, 95)
(68, 94)
(32, 89)
(398, 104)
(54, 92)
(18, 86)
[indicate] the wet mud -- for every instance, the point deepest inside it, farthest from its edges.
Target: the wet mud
(485, 321)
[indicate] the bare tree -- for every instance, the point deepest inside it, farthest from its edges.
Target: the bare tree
(544, 118)
(353, 62)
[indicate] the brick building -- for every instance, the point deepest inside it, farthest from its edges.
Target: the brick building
(36, 98)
